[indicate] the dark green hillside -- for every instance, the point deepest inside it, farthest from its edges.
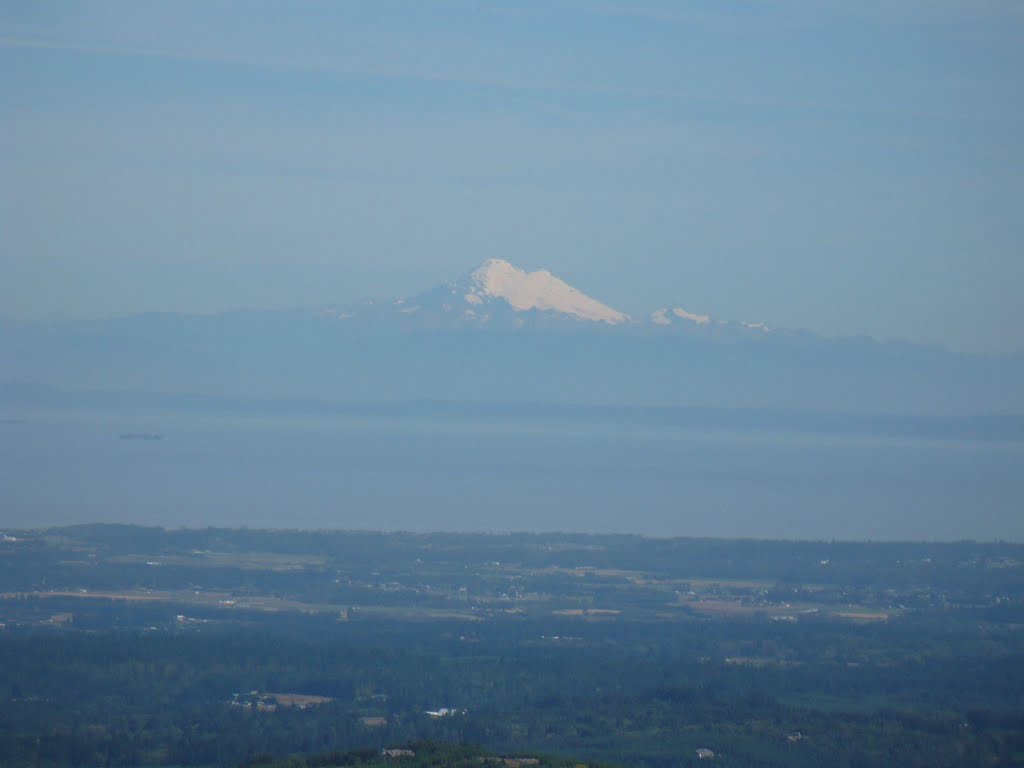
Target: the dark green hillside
(419, 755)
(131, 647)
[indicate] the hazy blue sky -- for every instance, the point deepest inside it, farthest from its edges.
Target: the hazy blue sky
(844, 167)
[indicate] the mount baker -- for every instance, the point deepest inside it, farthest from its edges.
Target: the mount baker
(498, 294)
(497, 334)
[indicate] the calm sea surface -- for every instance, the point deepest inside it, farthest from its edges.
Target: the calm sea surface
(502, 475)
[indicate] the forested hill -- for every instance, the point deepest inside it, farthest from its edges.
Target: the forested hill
(418, 755)
(133, 647)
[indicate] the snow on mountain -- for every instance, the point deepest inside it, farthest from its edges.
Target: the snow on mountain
(692, 317)
(495, 295)
(670, 316)
(664, 316)
(497, 279)
(498, 295)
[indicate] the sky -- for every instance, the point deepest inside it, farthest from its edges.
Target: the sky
(847, 168)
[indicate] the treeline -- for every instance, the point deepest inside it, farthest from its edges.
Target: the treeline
(420, 754)
(634, 694)
(939, 565)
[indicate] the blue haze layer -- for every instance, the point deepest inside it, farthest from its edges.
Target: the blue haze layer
(843, 167)
(487, 470)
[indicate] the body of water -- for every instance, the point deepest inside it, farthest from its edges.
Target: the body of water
(502, 474)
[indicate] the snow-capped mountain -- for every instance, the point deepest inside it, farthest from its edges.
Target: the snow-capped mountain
(498, 334)
(681, 318)
(667, 316)
(497, 280)
(494, 295)
(498, 295)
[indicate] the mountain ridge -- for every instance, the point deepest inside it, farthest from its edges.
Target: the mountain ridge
(498, 294)
(516, 339)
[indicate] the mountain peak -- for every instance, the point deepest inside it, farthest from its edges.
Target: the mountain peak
(498, 279)
(665, 315)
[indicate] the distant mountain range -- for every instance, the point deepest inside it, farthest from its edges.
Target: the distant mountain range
(502, 334)
(498, 295)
